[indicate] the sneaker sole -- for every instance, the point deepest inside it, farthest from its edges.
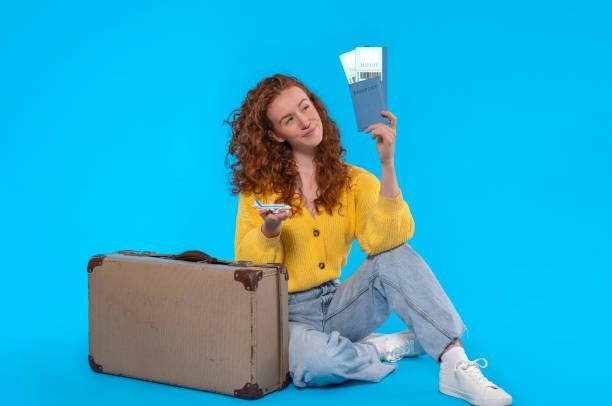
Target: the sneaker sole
(450, 391)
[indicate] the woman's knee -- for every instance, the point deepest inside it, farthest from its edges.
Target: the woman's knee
(314, 356)
(398, 260)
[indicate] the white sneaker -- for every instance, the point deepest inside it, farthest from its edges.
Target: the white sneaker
(468, 383)
(395, 346)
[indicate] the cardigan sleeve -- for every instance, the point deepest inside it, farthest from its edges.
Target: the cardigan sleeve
(381, 222)
(250, 243)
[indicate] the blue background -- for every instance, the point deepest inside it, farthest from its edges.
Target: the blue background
(112, 138)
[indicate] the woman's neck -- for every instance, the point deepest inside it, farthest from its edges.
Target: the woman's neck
(305, 164)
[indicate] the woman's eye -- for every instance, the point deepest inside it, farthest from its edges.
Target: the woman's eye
(306, 107)
(288, 120)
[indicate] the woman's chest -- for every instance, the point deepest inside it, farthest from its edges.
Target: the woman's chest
(338, 226)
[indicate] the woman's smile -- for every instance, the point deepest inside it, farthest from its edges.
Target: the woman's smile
(310, 132)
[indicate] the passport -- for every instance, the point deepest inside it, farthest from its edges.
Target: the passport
(366, 72)
(368, 101)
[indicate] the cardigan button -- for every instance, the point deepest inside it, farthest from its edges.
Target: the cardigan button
(315, 232)
(321, 265)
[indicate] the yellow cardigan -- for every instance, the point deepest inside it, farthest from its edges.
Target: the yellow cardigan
(314, 250)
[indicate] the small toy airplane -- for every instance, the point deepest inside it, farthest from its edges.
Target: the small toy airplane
(274, 207)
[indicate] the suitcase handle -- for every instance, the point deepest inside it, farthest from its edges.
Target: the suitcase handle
(197, 256)
(190, 256)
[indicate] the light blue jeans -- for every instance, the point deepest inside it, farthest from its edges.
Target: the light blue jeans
(326, 321)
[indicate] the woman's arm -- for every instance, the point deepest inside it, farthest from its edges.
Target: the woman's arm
(385, 136)
(250, 243)
(384, 221)
(388, 180)
(381, 222)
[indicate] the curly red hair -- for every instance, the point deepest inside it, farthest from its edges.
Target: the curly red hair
(264, 166)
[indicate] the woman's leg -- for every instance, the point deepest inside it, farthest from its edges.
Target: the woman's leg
(397, 280)
(319, 359)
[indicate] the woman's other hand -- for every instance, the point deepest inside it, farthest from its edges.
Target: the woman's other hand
(273, 221)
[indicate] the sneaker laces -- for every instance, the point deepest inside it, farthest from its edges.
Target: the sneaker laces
(397, 351)
(472, 369)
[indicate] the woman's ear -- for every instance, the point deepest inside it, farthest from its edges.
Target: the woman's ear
(275, 137)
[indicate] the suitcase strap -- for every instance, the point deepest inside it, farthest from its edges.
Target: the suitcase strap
(196, 256)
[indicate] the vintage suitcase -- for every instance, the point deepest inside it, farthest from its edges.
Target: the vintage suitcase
(189, 320)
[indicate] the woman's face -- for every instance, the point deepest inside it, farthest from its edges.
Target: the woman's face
(295, 119)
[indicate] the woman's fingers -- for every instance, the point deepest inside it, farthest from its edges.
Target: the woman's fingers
(384, 133)
(283, 214)
(272, 215)
(391, 117)
(385, 136)
(374, 126)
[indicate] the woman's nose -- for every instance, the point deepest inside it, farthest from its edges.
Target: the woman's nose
(304, 121)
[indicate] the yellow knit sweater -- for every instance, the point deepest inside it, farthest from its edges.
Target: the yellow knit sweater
(314, 250)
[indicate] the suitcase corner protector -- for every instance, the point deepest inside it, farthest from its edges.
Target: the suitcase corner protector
(249, 391)
(95, 261)
(92, 363)
(286, 382)
(249, 278)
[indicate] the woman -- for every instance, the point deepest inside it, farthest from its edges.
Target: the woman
(287, 150)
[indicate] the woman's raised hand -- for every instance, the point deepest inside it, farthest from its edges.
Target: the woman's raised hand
(385, 135)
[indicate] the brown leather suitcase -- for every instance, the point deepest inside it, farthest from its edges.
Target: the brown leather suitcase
(189, 320)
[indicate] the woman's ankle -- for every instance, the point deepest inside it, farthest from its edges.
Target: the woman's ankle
(455, 343)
